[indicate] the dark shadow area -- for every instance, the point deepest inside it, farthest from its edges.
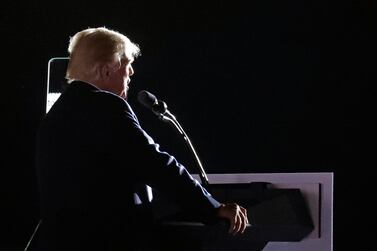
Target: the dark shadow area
(267, 86)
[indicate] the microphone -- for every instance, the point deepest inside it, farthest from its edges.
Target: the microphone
(147, 99)
(158, 107)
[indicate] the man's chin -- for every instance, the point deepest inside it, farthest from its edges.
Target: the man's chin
(124, 94)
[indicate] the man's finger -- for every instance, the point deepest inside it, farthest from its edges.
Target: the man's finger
(244, 212)
(244, 224)
(238, 224)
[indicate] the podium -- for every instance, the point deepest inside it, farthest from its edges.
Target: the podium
(287, 211)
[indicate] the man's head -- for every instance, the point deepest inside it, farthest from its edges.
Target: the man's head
(103, 58)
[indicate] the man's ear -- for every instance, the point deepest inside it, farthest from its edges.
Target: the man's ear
(104, 71)
(100, 72)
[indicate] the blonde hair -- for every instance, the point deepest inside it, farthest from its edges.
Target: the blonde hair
(93, 47)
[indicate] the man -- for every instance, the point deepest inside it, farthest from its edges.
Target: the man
(93, 157)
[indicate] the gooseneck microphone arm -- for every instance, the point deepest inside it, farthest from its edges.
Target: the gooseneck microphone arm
(170, 118)
(159, 108)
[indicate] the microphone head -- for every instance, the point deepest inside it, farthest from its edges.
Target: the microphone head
(151, 102)
(147, 99)
(160, 107)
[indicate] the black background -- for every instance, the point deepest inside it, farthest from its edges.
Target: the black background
(260, 86)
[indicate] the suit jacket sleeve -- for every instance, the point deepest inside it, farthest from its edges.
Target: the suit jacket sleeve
(149, 165)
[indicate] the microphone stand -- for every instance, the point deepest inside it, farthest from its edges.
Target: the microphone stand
(161, 111)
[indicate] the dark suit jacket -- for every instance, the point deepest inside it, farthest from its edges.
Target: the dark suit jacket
(91, 156)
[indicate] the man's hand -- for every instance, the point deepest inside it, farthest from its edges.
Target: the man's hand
(236, 215)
